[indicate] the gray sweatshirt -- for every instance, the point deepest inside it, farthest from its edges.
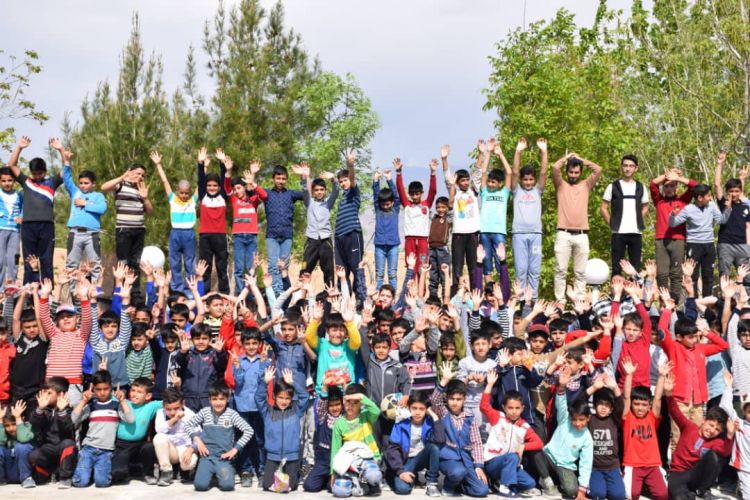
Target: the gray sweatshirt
(319, 214)
(699, 222)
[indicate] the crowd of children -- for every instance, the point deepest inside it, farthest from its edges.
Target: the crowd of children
(461, 383)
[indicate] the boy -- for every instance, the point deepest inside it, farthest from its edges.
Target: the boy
(741, 436)
(131, 437)
(165, 358)
(461, 457)
(15, 446)
(335, 355)
(247, 369)
(204, 364)
(172, 443)
(245, 200)
(510, 437)
(349, 244)
(213, 219)
(11, 208)
(473, 371)
(411, 448)
(288, 349)
(733, 243)
(111, 338)
(86, 210)
(139, 359)
(516, 376)
(604, 426)
(417, 216)
(493, 212)
(636, 332)
(641, 459)
(38, 228)
(318, 246)
(27, 369)
(213, 430)
(104, 414)
(55, 433)
(182, 215)
(282, 426)
(387, 240)
(440, 230)
(7, 355)
(328, 409)
(527, 216)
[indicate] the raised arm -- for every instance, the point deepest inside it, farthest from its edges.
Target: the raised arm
(556, 170)
(156, 158)
(541, 143)
(23, 143)
(350, 159)
(520, 147)
(718, 190)
(445, 150)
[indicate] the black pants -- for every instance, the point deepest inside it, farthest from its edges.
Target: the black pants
(319, 478)
(704, 255)
(38, 238)
(683, 485)
(129, 244)
(319, 251)
(291, 468)
(464, 249)
(349, 248)
(630, 243)
(132, 451)
(214, 246)
(48, 458)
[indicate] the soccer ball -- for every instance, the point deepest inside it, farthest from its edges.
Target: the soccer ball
(389, 405)
(154, 256)
(597, 272)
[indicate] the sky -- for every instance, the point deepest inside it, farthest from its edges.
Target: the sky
(423, 63)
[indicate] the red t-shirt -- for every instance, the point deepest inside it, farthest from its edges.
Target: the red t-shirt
(639, 438)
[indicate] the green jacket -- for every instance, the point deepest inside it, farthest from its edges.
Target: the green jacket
(24, 434)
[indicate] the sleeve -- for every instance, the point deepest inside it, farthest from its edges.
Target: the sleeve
(717, 344)
(24, 432)
(477, 448)
(404, 381)
(370, 410)
(97, 204)
(77, 418)
(354, 339)
(238, 374)
(129, 417)
(433, 341)
(727, 403)
(715, 212)
(160, 423)
(49, 328)
(375, 192)
(228, 185)
(126, 328)
(432, 191)
(262, 194)
(406, 342)
(680, 218)
(585, 462)
(296, 196)
(437, 401)
(334, 196)
(193, 426)
(561, 405)
(311, 334)
(607, 196)
(401, 191)
(336, 441)
(247, 431)
(70, 186)
(532, 441)
(260, 395)
(396, 197)
(674, 411)
(655, 192)
(492, 415)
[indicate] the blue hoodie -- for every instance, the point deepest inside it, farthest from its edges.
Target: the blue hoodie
(282, 428)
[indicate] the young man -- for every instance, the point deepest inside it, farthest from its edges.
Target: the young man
(735, 222)
(349, 245)
(629, 200)
(38, 228)
(572, 237)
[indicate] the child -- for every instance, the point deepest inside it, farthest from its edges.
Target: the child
(461, 457)
(204, 365)
(318, 247)
(604, 426)
(328, 409)
(27, 369)
(636, 333)
(510, 437)
(110, 341)
(452, 349)
(213, 222)
(417, 226)
(571, 448)
(473, 371)
(641, 458)
(104, 414)
(741, 436)
(516, 376)
(411, 448)
(387, 240)
(139, 360)
(334, 354)
(7, 355)
(247, 369)
(15, 446)
(466, 223)
(166, 358)
(216, 311)
(131, 437)
(182, 215)
(418, 350)
(580, 375)
(55, 433)
(213, 430)
(289, 350)
(172, 443)
(732, 247)
(11, 207)
(493, 212)
(354, 451)
(349, 245)
(440, 230)
(282, 425)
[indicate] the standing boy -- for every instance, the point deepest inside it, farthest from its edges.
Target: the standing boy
(349, 244)
(493, 212)
(318, 246)
(213, 219)
(416, 213)
(735, 222)
(11, 208)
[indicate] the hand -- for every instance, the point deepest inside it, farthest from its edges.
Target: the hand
(103, 364)
(175, 379)
(728, 379)
(742, 272)
(55, 143)
(651, 269)
(598, 382)
(33, 261)
(541, 143)
(143, 190)
(433, 166)
(348, 313)
(42, 399)
(492, 377)
(407, 477)
(491, 144)
(564, 376)
(119, 394)
(288, 376)
(18, 410)
(688, 267)
(218, 343)
(202, 450)
(63, 401)
(627, 267)
(665, 368)
(702, 325)
(450, 178)
(24, 142)
(503, 358)
(269, 374)
(155, 157)
(522, 144)
(351, 157)
(186, 457)
(476, 298)
(411, 260)
(229, 455)
(203, 156)
(618, 285)
(82, 289)
(500, 251)
(398, 164)
(445, 150)
(447, 369)
(481, 146)
(46, 288)
(669, 382)
(628, 366)
(200, 269)
(219, 154)
(481, 254)
(67, 155)
(387, 174)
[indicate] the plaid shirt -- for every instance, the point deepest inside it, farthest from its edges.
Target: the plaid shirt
(475, 439)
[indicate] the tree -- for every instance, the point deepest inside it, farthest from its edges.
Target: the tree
(15, 79)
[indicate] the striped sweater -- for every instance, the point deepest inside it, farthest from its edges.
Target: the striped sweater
(66, 348)
(139, 363)
(104, 417)
(228, 419)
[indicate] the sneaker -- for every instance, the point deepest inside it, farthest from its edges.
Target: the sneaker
(150, 480)
(432, 490)
(530, 493)
(506, 492)
(447, 493)
(28, 483)
(64, 484)
(186, 477)
(165, 478)
(246, 479)
(550, 490)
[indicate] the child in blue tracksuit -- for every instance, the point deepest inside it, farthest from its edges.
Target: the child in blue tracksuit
(282, 424)
(328, 408)
(11, 208)
(287, 349)
(165, 349)
(387, 241)
(246, 370)
(203, 364)
(515, 376)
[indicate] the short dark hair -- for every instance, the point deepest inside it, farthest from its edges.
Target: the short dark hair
(538, 333)
(455, 386)
(27, 316)
(447, 339)
(490, 328)
(388, 287)
(87, 174)
(101, 377)
(335, 320)
(171, 395)
(218, 389)
(717, 414)
(342, 174)
(57, 384)
(318, 182)
(573, 162)
(251, 333)
(415, 187)
(514, 344)
(109, 317)
(442, 200)
(580, 407)
(355, 389)
(512, 396)
(733, 184)
(421, 397)
(701, 190)
(335, 394)
(401, 323)
(134, 166)
(281, 386)
(6, 171)
(640, 393)
(180, 310)
(462, 174)
(558, 324)
(143, 383)
(496, 175)
(292, 316)
(684, 326)
(200, 330)
(138, 330)
(629, 157)
(379, 338)
(279, 170)
(527, 170)
(743, 326)
(167, 332)
(213, 298)
(213, 177)
(634, 318)
(478, 336)
(385, 195)
(37, 165)
(576, 354)
(237, 180)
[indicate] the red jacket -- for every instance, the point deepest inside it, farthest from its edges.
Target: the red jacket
(232, 345)
(665, 207)
(7, 353)
(685, 372)
(637, 351)
(691, 444)
(601, 355)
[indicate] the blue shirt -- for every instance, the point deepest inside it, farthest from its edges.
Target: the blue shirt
(89, 215)
(280, 212)
(493, 213)
(386, 223)
(347, 217)
(11, 206)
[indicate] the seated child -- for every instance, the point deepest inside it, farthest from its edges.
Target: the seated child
(204, 364)
(213, 430)
(328, 409)
(165, 358)
(104, 413)
(15, 446)
(742, 433)
(172, 443)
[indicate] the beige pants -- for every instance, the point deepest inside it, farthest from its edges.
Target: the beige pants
(691, 411)
(168, 454)
(567, 245)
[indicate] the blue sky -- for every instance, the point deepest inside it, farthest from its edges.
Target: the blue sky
(423, 63)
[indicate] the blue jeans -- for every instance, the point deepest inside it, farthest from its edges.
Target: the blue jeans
(490, 241)
(181, 249)
(94, 460)
(245, 245)
(385, 253)
(252, 458)
(278, 249)
(428, 458)
(14, 464)
(457, 474)
(211, 466)
(506, 468)
(606, 484)
(9, 245)
(527, 258)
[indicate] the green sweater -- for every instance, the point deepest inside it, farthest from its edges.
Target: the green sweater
(359, 429)
(143, 415)
(24, 434)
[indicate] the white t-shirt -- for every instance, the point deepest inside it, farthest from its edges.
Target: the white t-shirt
(629, 222)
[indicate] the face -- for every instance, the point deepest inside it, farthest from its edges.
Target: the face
(66, 322)
(142, 317)
(631, 331)
(640, 407)
(345, 182)
(603, 409)
(734, 194)
(3, 337)
(528, 182)
(574, 174)
(629, 168)
(419, 345)
(744, 339)
(381, 350)
(517, 357)
(463, 183)
(579, 422)
(6, 182)
(216, 308)
(415, 196)
(711, 429)
(558, 337)
(574, 365)
(384, 327)
(138, 174)
(109, 330)
(386, 206)
(85, 184)
(183, 193)
(179, 320)
(30, 329)
(103, 391)
(335, 407)
(418, 412)
(455, 403)
(318, 192)
(385, 297)
(444, 322)
(38, 175)
(441, 210)
(251, 347)
(139, 395)
(201, 342)
(497, 340)
(139, 343)
(397, 334)
(352, 408)
(513, 409)
(10, 428)
(170, 409)
(480, 348)
(702, 201)
(283, 400)
(336, 334)
(669, 189)
(448, 352)
(212, 187)
(688, 341)
(537, 344)
(288, 332)
(279, 181)
(218, 403)
(170, 345)
(52, 395)
(493, 185)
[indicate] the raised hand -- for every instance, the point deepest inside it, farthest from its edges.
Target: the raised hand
(397, 164)
(522, 144)
(665, 368)
(155, 157)
(288, 376)
(433, 166)
(503, 358)
(387, 174)
(63, 401)
(500, 251)
(491, 144)
(42, 399)
(18, 410)
(627, 267)
(203, 156)
(46, 288)
(220, 155)
(628, 366)
(411, 260)
(445, 150)
(24, 142)
(688, 267)
(481, 146)
(492, 377)
(269, 374)
(56, 143)
(481, 254)
(541, 143)
(200, 269)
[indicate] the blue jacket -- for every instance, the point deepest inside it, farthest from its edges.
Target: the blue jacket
(87, 216)
(386, 223)
(282, 428)
(399, 442)
(521, 379)
(246, 379)
(8, 217)
(290, 356)
(201, 369)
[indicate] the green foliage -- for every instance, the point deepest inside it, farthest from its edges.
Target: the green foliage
(15, 79)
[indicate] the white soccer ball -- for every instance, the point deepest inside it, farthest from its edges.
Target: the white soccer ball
(597, 272)
(154, 256)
